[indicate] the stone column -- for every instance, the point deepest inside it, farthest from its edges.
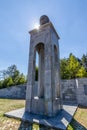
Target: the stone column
(31, 77)
(34, 69)
(48, 78)
(58, 70)
(56, 73)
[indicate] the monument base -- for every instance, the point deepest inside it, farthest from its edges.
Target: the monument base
(60, 121)
(38, 106)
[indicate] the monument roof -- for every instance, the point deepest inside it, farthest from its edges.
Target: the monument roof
(42, 26)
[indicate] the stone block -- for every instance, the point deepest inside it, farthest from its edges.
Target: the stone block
(48, 108)
(37, 106)
(56, 106)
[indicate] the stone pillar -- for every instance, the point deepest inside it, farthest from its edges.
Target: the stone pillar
(48, 78)
(30, 83)
(56, 71)
(34, 69)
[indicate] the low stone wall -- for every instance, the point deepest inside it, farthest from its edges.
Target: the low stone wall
(14, 92)
(69, 89)
(73, 91)
(82, 91)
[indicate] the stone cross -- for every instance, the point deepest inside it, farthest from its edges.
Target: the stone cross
(44, 41)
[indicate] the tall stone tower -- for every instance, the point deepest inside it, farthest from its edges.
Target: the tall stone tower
(47, 100)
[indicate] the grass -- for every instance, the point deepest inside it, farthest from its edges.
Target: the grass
(7, 105)
(79, 121)
(6, 123)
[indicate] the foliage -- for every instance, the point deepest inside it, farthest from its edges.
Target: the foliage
(20, 79)
(1, 82)
(7, 82)
(11, 76)
(64, 69)
(73, 67)
(84, 61)
(82, 72)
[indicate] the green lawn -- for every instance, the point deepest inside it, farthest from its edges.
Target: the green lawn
(79, 121)
(6, 123)
(8, 105)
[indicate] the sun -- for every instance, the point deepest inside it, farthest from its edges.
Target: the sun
(36, 26)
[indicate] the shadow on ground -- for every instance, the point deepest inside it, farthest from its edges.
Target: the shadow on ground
(75, 125)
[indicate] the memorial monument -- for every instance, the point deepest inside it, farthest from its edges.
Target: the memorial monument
(44, 41)
(43, 101)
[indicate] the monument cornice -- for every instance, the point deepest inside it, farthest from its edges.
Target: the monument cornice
(42, 27)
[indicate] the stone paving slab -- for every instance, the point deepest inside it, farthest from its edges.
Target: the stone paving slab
(60, 121)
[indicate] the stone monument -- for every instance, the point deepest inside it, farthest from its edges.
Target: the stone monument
(43, 101)
(44, 41)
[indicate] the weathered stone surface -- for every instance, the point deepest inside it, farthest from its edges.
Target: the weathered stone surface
(45, 42)
(16, 92)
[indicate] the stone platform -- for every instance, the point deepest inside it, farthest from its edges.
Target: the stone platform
(60, 121)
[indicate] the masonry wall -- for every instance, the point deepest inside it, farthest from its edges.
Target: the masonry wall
(14, 92)
(82, 91)
(73, 91)
(69, 91)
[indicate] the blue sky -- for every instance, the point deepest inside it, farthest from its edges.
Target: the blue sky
(17, 17)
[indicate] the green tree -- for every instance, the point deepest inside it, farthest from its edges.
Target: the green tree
(7, 82)
(82, 72)
(20, 79)
(64, 72)
(84, 61)
(13, 72)
(73, 66)
(1, 84)
(11, 76)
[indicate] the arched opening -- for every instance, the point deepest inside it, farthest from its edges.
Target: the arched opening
(39, 71)
(36, 66)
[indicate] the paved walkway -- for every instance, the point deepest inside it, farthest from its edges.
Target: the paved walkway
(60, 121)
